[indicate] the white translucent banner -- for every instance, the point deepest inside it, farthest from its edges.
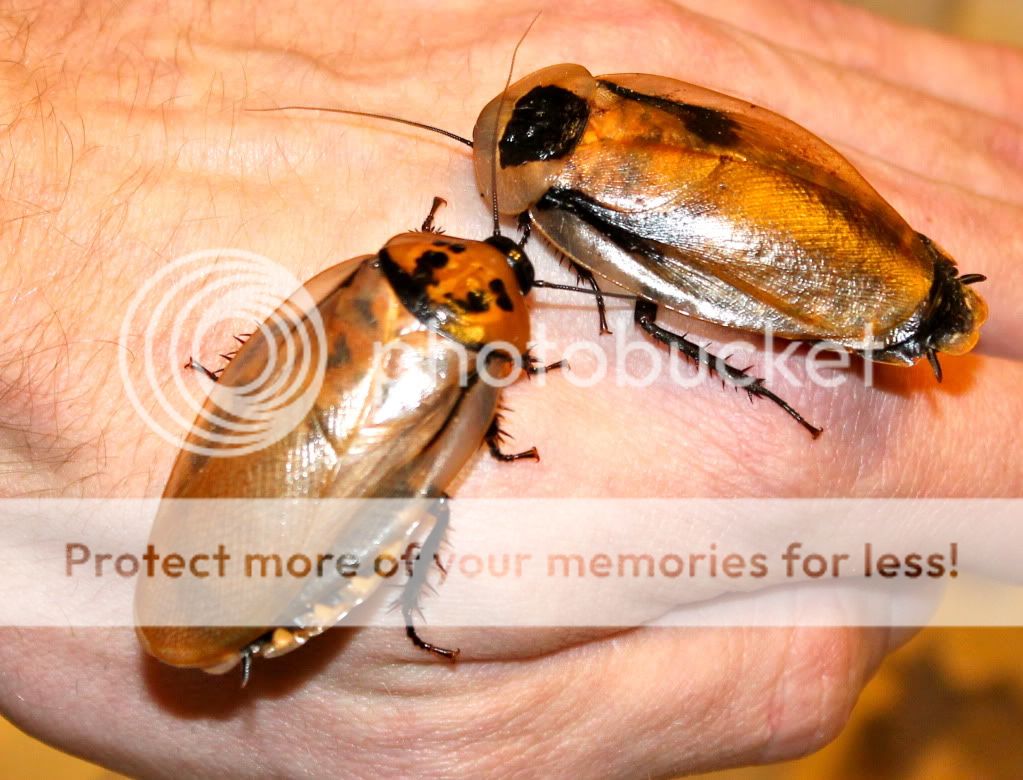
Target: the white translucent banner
(550, 562)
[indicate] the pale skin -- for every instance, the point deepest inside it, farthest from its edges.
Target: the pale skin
(125, 145)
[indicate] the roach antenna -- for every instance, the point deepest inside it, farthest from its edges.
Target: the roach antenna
(584, 290)
(497, 125)
(371, 115)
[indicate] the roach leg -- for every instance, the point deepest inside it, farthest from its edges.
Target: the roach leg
(586, 277)
(428, 222)
(526, 226)
(495, 436)
(584, 274)
(246, 665)
(532, 366)
(932, 358)
(646, 315)
(197, 366)
(428, 553)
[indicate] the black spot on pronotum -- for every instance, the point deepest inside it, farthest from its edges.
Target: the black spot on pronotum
(708, 124)
(411, 291)
(441, 312)
(546, 123)
(501, 298)
(430, 260)
(516, 258)
(456, 249)
(426, 265)
(475, 302)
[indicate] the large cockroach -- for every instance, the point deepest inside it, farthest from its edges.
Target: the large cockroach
(376, 429)
(721, 210)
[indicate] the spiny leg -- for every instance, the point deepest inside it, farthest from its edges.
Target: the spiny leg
(646, 315)
(585, 275)
(495, 437)
(428, 222)
(526, 226)
(428, 553)
(932, 358)
(532, 366)
(195, 365)
(246, 664)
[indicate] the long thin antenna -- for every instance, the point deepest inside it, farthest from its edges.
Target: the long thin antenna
(497, 125)
(584, 290)
(420, 125)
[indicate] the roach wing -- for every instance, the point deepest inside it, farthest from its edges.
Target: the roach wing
(386, 423)
(728, 212)
(388, 388)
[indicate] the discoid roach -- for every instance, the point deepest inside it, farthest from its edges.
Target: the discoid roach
(373, 431)
(720, 210)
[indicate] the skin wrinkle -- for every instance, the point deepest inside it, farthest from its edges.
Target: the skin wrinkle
(802, 45)
(797, 68)
(854, 38)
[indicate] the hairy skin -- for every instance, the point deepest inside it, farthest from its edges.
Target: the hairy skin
(124, 144)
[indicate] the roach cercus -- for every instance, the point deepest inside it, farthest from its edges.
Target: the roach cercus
(373, 431)
(720, 210)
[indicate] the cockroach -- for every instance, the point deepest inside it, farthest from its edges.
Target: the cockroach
(720, 210)
(372, 432)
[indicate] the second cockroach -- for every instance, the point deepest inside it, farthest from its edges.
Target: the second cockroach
(377, 429)
(721, 210)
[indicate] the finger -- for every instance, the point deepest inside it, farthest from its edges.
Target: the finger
(975, 75)
(920, 132)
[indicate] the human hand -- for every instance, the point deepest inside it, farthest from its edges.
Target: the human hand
(126, 145)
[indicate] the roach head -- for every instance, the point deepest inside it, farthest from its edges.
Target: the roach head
(517, 259)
